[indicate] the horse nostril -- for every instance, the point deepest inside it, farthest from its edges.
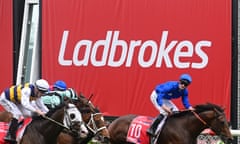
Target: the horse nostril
(230, 141)
(106, 140)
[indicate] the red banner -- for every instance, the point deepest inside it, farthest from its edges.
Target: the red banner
(120, 50)
(6, 41)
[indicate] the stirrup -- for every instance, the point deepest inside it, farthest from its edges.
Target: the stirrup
(151, 132)
(152, 139)
(10, 139)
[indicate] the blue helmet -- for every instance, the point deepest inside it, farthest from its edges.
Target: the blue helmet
(186, 77)
(60, 85)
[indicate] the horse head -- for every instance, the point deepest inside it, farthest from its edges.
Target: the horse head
(93, 118)
(74, 121)
(46, 129)
(215, 119)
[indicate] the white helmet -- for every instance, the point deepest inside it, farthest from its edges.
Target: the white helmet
(42, 85)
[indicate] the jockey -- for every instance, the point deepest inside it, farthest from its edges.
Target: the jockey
(162, 95)
(54, 98)
(59, 85)
(23, 100)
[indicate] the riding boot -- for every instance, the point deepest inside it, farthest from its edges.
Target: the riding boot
(11, 133)
(153, 127)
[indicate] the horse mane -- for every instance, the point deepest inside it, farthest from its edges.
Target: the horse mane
(198, 109)
(51, 111)
(85, 101)
(208, 106)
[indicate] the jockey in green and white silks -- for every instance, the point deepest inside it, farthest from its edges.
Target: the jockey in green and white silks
(55, 98)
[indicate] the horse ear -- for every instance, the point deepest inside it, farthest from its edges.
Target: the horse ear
(66, 100)
(81, 95)
(224, 108)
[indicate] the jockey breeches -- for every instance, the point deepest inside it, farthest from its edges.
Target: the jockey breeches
(166, 102)
(17, 110)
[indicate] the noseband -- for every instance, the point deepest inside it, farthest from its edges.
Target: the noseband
(95, 129)
(72, 117)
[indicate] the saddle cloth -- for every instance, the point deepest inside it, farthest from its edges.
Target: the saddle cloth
(4, 128)
(137, 130)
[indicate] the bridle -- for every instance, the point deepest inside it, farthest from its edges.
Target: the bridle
(73, 117)
(218, 114)
(199, 118)
(94, 129)
(94, 113)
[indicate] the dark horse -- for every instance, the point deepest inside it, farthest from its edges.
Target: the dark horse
(45, 130)
(94, 121)
(180, 128)
(91, 116)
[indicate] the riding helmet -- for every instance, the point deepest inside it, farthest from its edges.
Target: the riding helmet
(42, 85)
(186, 77)
(60, 85)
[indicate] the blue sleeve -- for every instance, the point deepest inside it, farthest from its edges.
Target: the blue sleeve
(185, 100)
(159, 99)
(161, 91)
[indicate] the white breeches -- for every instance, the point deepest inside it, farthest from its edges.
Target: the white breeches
(166, 102)
(16, 109)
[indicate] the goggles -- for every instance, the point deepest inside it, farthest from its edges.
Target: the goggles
(184, 82)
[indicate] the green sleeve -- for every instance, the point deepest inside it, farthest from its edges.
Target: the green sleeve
(51, 100)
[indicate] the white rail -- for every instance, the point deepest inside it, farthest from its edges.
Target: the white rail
(235, 132)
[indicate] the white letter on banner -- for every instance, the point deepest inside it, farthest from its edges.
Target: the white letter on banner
(178, 54)
(85, 59)
(105, 44)
(202, 54)
(116, 43)
(151, 44)
(62, 50)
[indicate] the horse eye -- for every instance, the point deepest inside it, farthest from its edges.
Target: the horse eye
(72, 116)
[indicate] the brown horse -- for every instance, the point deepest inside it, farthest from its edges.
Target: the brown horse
(91, 116)
(45, 130)
(94, 121)
(179, 128)
(5, 116)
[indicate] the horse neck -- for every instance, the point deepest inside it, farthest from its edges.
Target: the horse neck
(52, 128)
(202, 121)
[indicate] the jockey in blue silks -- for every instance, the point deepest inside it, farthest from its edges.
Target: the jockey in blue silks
(163, 94)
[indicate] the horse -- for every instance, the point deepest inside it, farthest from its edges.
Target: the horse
(179, 128)
(46, 129)
(94, 121)
(91, 116)
(5, 116)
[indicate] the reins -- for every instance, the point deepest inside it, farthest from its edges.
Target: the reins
(56, 122)
(198, 117)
